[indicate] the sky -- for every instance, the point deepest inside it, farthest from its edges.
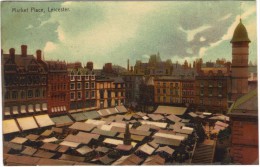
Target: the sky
(110, 31)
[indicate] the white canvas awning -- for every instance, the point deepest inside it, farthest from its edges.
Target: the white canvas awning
(70, 144)
(170, 110)
(95, 122)
(170, 136)
(27, 123)
(10, 126)
(44, 106)
(23, 109)
(15, 110)
(146, 149)
(19, 140)
(116, 142)
(38, 108)
(7, 111)
(30, 108)
(49, 140)
(158, 124)
(44, 120)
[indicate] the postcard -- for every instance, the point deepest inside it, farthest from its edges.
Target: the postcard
(129, 83)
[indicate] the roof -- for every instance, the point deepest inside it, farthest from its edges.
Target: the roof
(44, 154)
(240, 34)
(121, 109)
(62, 120)
(84, 150)
(27, 123)
(158, 124)
(169, 136)
(10, 126)
(165, 149)
(124, 147)
(19, 140)
(156, 117)
(106, 160)
(46, 133)
(72, 158)
(21, 160)
(173, 118)
(104, 133)
(49, 146)
(91, 114)
(79, 116)
(32, 137)
(77, 139)
(170, 110)
(154, 160)
(29, 151)
(70, 144)
(246, 105)
(82, 126)
(167, 141)
(48, 140)
(116, 142)
(102, 149)
(44, 120)
(128, 160)
(146, 149)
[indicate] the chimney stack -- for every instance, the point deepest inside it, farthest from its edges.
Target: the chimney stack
(90, 65)
(39, 55)
(12, 53)
(24, 50)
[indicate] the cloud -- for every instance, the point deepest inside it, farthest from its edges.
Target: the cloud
(192, 33)
(49, 47)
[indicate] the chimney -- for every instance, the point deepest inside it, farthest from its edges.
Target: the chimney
(24, 50)
(90, 65)
(12, 53)
(127, 64)
(2, 51)
(39, 55)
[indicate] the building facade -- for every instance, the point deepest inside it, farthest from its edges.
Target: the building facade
(58, 88)
(82, 88)
(24, 83)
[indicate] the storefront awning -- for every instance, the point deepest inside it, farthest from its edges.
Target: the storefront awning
(10, 126)
(62, 120)
(91, 114)
(38, 108)
(44, 120)
(15, 110)
(27, 123)
(44, 106)
(23, 109)
(30, 108)
(7, 110)
(79, 116)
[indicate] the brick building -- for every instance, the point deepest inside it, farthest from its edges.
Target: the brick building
(58, 89)
(82, 83)
(24, 83)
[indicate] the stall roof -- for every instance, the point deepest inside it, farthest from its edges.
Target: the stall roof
(219, 123)
(19, 140)
(63, 149)
(154, 160)
(50, 146)
(27, 123)
(166, 141)
(32, 137)
(44, 120)
(54, 162)
(77, 139)
(95, 122)
(49, 140)
(165, 149)
(72, 158)
(128, 160)
(169, 136)
(121, 109)
(104, 133)
(46, 133)
(173, 118)
(156, 117)
(44, 154)
(124, 147)
(79, 116)
(133, 137)
(70, 144)
(158, 124)
(57, 130)
(62, 120)
(116, 142)
(153, 144)
(22, 160)
(88, 135)
(106, 112)
(146, 149)
(140, 132)
(13, 146)
(220, 117)
(106, 160)
(128, 117)
(10, 126)
(82, 126)
(192, 114)
(29, 151)
(170, 110)
(91, 114)
(102, 149)
(84, 150)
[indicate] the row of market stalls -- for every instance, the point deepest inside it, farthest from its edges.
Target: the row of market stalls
(165, 137)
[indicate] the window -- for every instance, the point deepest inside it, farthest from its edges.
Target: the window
(171, 84)
(176, 84)
(164, 99)
(43, 93)
(86, 85)
(72, 96)
(210, 91)
(79, 95)
(64, 86)
(220, 83)
(92, 85)
(171, 91)
(72, 78)
(201, 92)
(93, 94)
(37, 93)
(87, 94)
(164, 84)
(101, 94)
(30, 94)
(164, 91)
(109, 94)
(176, 92)
(158, 91)
(171, 99)
(201, 101)
(22, 95)
(78, 85)
(14, 94)
(72, 86)
(86, 77)
(93, 77)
